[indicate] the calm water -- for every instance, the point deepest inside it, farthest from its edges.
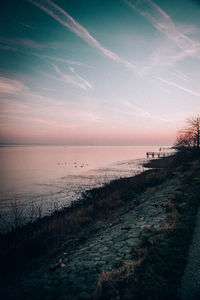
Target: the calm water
(36, 180)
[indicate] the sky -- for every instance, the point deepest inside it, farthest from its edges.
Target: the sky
(96, 72)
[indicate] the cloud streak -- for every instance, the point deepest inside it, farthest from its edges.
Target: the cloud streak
(134, 110)
(178, 44)
(21, 43)
(74, 79)
(15, 89)
(177, 86)
(67, 21)
(10, 86)
(181, 75)
(26, 25)
(164, 24)
(58, 59)
(19, 101)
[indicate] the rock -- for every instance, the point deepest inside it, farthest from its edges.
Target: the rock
(128, 257)
(131, 242)
(104, 249)
(147, 227)
(125, 250)
(62, 265)
(118, 221)
(107, 268)
(97, 258)
(54, 267)
(84, 295)
(65, 260)
(108, 258)
(126, 228)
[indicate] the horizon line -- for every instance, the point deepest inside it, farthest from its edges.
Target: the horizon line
(79, 145)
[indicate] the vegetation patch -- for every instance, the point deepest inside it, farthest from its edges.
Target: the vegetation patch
(48, 234)
(158, 262)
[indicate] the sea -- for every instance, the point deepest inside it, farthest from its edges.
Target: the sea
(38, 180)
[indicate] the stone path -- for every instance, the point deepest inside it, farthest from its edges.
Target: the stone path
(190, 284)
(74, 276)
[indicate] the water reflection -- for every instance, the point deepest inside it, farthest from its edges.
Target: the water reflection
(41, 179)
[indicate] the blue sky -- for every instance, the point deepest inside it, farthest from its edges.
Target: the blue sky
(119, 72)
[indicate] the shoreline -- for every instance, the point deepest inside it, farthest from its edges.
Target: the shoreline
(86, 199)
(27, 208)
(143, 162)
(54, 243)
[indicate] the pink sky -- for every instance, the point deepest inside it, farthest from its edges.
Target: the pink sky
(87, 78)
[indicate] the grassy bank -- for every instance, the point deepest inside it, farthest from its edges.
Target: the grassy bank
(126, 240)
(51, 233)
(158, 262)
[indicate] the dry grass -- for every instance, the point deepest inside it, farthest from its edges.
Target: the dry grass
(49, 233)
(108, 279)
(161, 255)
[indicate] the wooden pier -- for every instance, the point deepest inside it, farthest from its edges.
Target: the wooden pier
(159, 154)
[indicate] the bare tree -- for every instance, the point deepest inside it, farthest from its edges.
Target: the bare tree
(189, 137)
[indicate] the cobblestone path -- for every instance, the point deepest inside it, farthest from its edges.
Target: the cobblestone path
(74, 275)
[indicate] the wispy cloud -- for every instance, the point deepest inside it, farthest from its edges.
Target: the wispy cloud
(58, 59)
(31, 44)
(86, 84)
(20, 105)
(10, 87)
(135, 110)
(165, 56)
(48, 89)
(178, 86)
(178, 44)
(74, 78)
(21, 43)
(26, 25)
(66, 20)
(180, 75)
(15, 89)
(25, 45)
(163, 23)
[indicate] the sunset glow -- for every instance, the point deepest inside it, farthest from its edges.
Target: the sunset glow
(98, 72)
